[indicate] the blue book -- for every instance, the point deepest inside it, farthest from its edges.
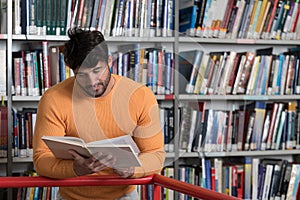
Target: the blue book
(168, 72)
(154, 71)
(187, 19)
(278, 78)
(208, 174)
(62, 67)
(150, 70)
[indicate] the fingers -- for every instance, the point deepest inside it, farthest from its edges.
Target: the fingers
(104, 162)
(96, 163)
(124, 172)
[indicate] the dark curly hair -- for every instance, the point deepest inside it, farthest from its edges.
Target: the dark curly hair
(85, 48)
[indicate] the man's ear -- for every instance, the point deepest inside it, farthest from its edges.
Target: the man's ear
(109, 61)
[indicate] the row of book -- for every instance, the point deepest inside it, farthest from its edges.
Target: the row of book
(153, 67)
(34, 193)
(251, 73)
(252, 178)
(246, 19)
(258, 126)
(36, 71)
(23, 127)
(24, 123)
(112, 17)
(51, 193)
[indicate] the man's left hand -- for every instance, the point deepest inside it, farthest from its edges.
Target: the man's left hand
(124, 172)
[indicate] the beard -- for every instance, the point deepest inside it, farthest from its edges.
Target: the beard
(98, 89)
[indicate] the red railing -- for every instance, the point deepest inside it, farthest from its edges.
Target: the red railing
(157, 180)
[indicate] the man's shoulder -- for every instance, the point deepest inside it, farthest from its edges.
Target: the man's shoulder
(128, 84)
(62, 88)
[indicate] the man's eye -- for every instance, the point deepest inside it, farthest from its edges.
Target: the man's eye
(98, 70)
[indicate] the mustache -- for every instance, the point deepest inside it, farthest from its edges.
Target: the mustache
(95, 85)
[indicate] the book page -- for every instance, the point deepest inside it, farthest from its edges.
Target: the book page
(60, 148)
(124, 154)
(126, 139)
(65, 139)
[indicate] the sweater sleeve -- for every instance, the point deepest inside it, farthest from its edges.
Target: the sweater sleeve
(148, 133)
(49, 122)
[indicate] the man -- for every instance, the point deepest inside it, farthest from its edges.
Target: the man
(96, 105)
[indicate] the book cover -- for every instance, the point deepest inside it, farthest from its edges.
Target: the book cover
(294, 181)
(285, 181)
(291, 129)
(122, 148)
(248, 178)
(271, 20)
(3, 72)
(185, 126)
(260, 111)
(54, 64)
(187, 19)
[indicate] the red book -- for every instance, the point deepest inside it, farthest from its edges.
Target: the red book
(234, 181)
(160, 73)
(80, 14)
(240, 181)
(272, 124)
(213, 178)
(4, 130)
(272, 16)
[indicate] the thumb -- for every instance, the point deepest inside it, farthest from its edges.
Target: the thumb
(75, 155)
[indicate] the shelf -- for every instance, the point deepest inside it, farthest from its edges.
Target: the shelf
(165, 97)
(41, 37)
(191, 97)
(26, 98)
(140, 39)
(187, 39)
(240, 153)
(22, 160)
(3, 36)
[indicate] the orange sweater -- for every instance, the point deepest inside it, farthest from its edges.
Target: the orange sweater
(130, 108)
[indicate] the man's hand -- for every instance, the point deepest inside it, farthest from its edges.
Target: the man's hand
(96, 163)
(124, 172)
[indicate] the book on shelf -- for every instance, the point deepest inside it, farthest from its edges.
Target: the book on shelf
(237, 22)
(185, 126)
(247, 178)
(294, 182)
(3, 72)
(199, 129)
(122, 148)
(260, 111)
(187, 19)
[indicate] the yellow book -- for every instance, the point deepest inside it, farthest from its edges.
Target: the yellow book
(253, 75)
(200, 75)
(261, 15)
(67, 72)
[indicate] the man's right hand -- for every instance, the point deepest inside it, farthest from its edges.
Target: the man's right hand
(96, 163)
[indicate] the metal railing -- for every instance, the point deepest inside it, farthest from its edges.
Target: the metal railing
(157, 180)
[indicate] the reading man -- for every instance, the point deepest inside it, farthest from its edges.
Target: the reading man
(95, 105)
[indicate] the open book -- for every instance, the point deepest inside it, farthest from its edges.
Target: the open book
(123, 148)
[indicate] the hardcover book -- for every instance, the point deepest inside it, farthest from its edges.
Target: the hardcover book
(122, 148)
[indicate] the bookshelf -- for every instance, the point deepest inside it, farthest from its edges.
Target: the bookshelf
(175, 43)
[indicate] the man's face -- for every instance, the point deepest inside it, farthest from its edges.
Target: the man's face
(93, 81)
